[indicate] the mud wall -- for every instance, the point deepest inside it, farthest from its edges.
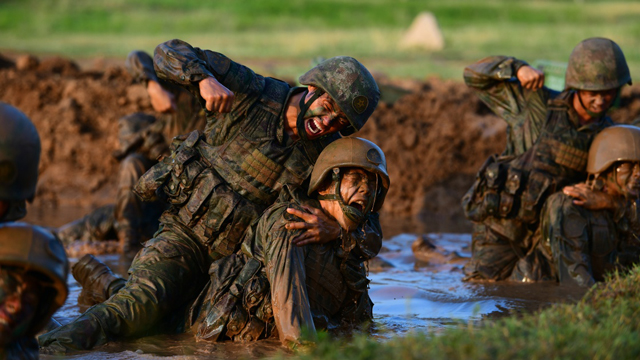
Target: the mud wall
(434, 138)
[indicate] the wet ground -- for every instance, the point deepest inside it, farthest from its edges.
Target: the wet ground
(411, 292)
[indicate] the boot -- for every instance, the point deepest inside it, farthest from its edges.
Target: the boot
(97, 280)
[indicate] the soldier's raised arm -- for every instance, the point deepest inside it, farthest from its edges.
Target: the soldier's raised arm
(140, 65)
(202, 72)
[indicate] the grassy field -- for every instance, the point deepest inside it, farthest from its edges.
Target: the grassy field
(281, 37)
(604, 325)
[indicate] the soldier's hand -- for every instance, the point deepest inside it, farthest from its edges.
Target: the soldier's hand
(217, 96)
(588, 198)
(320, 227)
(530, 78)
(161, 100)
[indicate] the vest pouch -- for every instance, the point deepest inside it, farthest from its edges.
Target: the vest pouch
(151, 181)
(473, 201)
(506, 204)
(538, 186)
(514, 180)
(494, 175)
(491, 202)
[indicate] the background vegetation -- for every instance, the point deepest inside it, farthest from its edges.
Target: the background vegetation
(282, 37)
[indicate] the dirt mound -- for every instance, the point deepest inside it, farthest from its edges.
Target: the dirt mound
(434, 138)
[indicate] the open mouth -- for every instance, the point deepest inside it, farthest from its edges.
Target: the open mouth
(313, 127)
(358, 204)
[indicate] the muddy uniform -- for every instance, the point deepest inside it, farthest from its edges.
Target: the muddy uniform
(582, 245)
(188, 116)
(130, 220)
(322, 286)
(546, 150)
(217, 185)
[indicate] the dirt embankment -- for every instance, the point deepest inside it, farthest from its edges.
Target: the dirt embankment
(434, 138)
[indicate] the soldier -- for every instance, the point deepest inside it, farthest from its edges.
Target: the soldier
(129, 220)
(592, 228)
(33, 265)
(261, 135)
(293, 285)
(548, 138)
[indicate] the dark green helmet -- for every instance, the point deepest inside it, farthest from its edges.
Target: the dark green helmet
(350, 85)
(597, 64)
(19, 155)
(36, 250)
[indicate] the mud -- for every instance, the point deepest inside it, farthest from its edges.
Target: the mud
(435, 138)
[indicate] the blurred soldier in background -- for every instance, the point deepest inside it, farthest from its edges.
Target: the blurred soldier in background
(548, 138)
(129, 220)
(33, 264)
(592, 227)
(261, 135)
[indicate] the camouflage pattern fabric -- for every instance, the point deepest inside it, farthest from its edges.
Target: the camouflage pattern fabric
(494, 81)
(130, 220)
(310, 287)
(189, 115)
(506, 200)
(217, 185)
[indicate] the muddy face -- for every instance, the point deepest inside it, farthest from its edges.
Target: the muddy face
(19, 298)
(356, 189)
(625, 180)
(323, 116)
(590, 104)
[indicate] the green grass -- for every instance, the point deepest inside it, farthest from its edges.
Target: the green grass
(282, 37)
(604, 325)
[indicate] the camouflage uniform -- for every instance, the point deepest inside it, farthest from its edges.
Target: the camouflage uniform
(322, 286)
(130, 220)
(546, 150)
(582, 245)
(188, 116)
(217, 185)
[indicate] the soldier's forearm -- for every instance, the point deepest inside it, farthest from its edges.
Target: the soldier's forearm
(491, 70)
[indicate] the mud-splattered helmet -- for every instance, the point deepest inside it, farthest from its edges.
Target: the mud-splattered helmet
(350, 85)
(597, 64)
(613, 144)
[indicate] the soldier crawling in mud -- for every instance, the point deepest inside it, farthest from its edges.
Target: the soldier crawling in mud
(261, 135)
(592, 228)
(33, 264)
(277, 285)
(130, 220)
(142, 140)
(547, 142)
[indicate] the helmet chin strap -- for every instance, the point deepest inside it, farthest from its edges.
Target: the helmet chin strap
(591, 113)
(304, 107)
(350, 212)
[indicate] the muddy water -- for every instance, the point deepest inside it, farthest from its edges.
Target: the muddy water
(422, 292)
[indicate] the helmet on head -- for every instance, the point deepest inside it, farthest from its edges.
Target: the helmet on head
(613, 144)
(352, 152)
(597, 64)
(37, 251)
(132, 135)
(19, 155)
(350, 85)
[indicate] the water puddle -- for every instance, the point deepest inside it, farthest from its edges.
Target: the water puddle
(410, 293)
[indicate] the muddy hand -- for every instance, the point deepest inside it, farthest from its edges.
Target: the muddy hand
(161, 100)
(530, 78)
(217, 96)
(319, 227)
(590, 199)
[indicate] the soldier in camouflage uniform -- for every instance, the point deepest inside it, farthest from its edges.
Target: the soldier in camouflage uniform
(33, 265)
(592, 228)
(547, 142)
(261, 135)
(129, 220)
(281, 282)
(180, 110)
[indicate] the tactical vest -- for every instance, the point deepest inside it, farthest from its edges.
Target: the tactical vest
(509, 192)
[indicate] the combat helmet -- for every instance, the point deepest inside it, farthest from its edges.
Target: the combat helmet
(597, 64)
(350, 85)
(613, 144)
(351, 152)
(19, 155)
(132, 133)
(35, 250)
